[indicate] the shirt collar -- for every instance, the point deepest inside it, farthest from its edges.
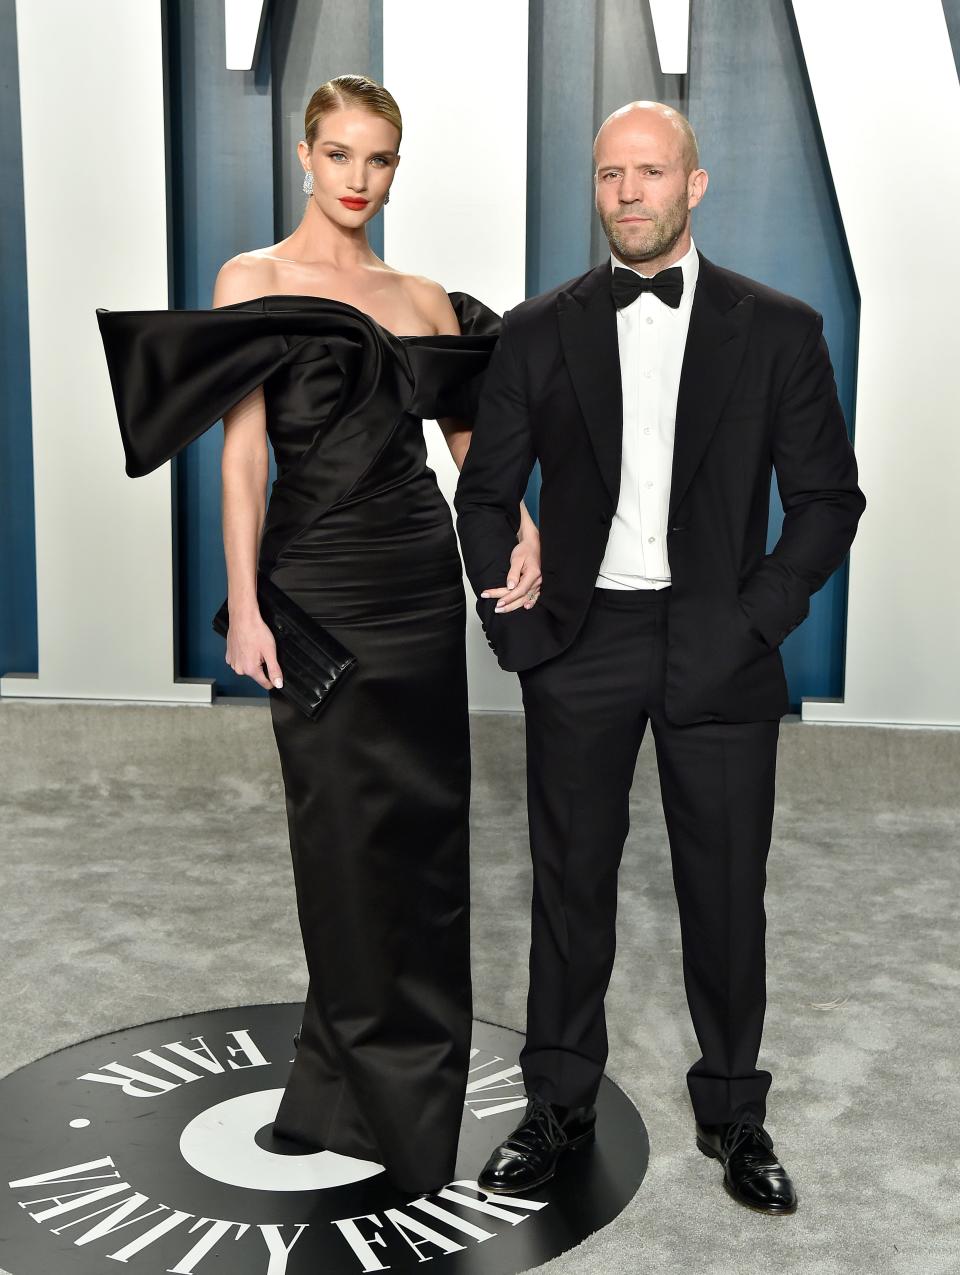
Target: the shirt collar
(689, 263)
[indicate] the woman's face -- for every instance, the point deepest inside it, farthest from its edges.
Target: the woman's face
(353, 159)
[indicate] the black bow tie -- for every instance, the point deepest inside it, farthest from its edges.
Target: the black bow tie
(667, 285)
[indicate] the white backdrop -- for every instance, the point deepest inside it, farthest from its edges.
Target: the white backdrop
(457, 210)
(95, 211)
(893, 161)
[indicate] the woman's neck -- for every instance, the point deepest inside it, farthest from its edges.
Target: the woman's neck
(318, 241)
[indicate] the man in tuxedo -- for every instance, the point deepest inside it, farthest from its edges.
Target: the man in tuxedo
(656, 391)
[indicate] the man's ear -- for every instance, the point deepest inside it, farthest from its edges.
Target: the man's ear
(697, 184)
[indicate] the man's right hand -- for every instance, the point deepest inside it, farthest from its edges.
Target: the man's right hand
(250, 647)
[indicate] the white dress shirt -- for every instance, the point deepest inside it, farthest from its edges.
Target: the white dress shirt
(652, 337)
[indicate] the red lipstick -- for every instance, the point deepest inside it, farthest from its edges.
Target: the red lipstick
(354, 203)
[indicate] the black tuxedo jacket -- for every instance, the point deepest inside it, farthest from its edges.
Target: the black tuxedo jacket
(756, 390)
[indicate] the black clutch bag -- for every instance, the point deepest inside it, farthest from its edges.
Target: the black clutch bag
(312, 661)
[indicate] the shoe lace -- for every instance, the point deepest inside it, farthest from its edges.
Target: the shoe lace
(745, 1126)
(539, 1113)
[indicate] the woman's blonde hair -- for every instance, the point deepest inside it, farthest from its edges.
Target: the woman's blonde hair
(349, 90)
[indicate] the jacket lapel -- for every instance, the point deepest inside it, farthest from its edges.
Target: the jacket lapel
(588, 336)
(716, 340)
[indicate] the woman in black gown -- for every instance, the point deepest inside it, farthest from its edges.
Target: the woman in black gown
(359, 535)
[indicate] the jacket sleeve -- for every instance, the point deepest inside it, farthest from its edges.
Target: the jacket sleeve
(495, 473)
(817, 478)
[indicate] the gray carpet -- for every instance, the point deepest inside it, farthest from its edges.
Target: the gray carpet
(145, 874)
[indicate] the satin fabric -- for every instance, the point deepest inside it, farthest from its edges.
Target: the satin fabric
(377, 788)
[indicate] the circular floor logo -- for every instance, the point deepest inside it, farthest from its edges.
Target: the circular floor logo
(151, 1148)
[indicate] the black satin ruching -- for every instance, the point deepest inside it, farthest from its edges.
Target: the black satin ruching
(377, 789)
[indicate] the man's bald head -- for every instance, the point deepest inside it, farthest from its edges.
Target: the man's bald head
(647, 179)
(658, 118)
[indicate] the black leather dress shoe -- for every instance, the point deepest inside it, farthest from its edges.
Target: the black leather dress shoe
(529, 1156)
(752, 1174)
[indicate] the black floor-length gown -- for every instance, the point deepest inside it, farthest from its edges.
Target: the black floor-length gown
(358, 533)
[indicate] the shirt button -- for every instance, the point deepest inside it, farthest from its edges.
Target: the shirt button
(648, 484)
(647, 429)
(648, 374)
(650, 539)
(649, 318)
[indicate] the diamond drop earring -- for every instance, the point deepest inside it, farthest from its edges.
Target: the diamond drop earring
(386, 198)
(308, 182)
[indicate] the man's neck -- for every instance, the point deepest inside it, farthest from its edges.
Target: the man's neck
(656, 264)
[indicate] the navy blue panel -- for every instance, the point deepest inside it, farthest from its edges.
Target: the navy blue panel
(375, 71)
(562, 35)
(559, 139)
(222, 194)
(18, 573)
(770, 213)
(951, 11)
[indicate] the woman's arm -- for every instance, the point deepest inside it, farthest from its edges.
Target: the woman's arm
(244, 470)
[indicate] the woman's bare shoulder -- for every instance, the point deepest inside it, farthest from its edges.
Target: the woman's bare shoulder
(430, 299)
(244, 277)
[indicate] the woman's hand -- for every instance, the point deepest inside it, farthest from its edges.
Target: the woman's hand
(523, 579)
(250, 646)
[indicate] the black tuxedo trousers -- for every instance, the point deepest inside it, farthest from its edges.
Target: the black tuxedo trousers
(586, 714)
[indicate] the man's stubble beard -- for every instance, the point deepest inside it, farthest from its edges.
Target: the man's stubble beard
(665, 231)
